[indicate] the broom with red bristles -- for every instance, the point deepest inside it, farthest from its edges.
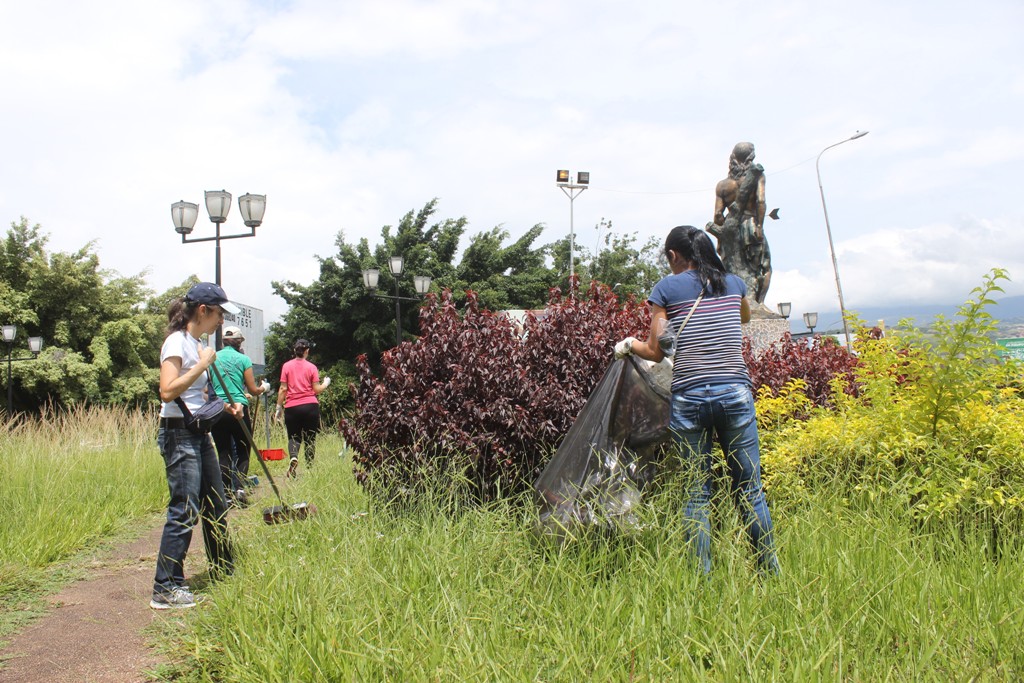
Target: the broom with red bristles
(277, 514)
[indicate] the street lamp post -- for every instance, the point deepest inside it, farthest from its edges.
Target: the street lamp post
(218, 205)
(396, 264)
(828, 229)
(572, 190)
(35, 345)
(811, 320)
(785, 308)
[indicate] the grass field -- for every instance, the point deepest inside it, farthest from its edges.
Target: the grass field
(364, 593)
(68, 483)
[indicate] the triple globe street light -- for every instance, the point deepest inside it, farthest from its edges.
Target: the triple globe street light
(396, 264)
(35, 345)
(218, 205)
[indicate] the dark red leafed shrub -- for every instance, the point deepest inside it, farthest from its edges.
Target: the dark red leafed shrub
(816, 363)
(472, 401)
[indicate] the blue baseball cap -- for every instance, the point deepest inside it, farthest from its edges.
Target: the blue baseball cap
(212, 295)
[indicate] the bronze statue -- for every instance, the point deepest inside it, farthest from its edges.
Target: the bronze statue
(740, 232)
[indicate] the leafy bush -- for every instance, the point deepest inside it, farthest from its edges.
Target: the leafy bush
(937, 423)
(817, 365)
(472, 401)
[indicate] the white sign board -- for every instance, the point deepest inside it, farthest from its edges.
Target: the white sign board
(250, 321)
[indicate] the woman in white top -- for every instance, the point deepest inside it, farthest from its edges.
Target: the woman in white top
(193, 470)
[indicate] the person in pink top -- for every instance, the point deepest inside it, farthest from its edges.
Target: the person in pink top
(300, 385)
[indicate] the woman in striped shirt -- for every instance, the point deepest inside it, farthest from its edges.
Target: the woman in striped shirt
(711, 388)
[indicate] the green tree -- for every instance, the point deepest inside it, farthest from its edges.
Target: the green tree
(512, 277)
(625, 267)
(336, 313)
(619, 263)
(101, 340)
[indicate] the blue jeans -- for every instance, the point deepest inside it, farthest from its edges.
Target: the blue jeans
(725, 410)
(197, 492)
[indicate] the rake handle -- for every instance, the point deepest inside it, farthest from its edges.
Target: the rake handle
(248, 435)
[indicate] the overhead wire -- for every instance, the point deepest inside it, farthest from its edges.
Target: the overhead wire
(701, 190)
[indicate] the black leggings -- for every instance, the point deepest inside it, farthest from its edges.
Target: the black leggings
(302, 423)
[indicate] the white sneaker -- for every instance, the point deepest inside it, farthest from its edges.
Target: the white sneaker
(179, 598)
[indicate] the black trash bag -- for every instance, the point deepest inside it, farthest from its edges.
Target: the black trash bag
(612, 452)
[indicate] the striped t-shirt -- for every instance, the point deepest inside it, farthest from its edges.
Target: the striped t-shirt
(709, 350)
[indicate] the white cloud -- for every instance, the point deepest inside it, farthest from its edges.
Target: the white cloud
(932, 264)
(354, 30)
(348, 115)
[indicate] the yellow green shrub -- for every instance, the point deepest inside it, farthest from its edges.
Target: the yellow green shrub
(938, 422)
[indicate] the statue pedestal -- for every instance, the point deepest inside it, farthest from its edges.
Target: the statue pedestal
(763, 332)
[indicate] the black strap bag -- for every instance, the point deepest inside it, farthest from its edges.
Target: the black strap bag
(209, 414)
(202, 421)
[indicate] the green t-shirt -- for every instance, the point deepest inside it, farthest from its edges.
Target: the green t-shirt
(232, 365)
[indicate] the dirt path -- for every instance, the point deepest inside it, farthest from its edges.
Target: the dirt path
(95, 629)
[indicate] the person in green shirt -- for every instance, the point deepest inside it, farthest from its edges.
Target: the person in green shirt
(232, 448)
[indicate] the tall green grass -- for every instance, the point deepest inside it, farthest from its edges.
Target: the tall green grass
(361, 592)
(69, 480)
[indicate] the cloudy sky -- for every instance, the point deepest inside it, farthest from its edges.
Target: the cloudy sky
(349, 114)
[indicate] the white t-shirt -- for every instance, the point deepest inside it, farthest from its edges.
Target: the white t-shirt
(186, 347)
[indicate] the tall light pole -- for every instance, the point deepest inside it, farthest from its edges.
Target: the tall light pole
(35, 345)
(572, 190)
(828, 229)
(396, 264)
(218, 205)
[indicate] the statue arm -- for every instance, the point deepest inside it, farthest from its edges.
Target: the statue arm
(719, 209)
(725, 193)
(760, 207)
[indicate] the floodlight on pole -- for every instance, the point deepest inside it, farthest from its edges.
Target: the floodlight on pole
(828, 229)
(572, 190)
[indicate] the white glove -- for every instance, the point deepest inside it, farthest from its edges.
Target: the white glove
(325, 382)
(625, 347)
(265, 386)
(277, 413)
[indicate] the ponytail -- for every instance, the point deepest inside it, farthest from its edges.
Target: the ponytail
(694, 245)
(179, 313)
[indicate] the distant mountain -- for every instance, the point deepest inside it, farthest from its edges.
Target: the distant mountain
(1009, 311)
